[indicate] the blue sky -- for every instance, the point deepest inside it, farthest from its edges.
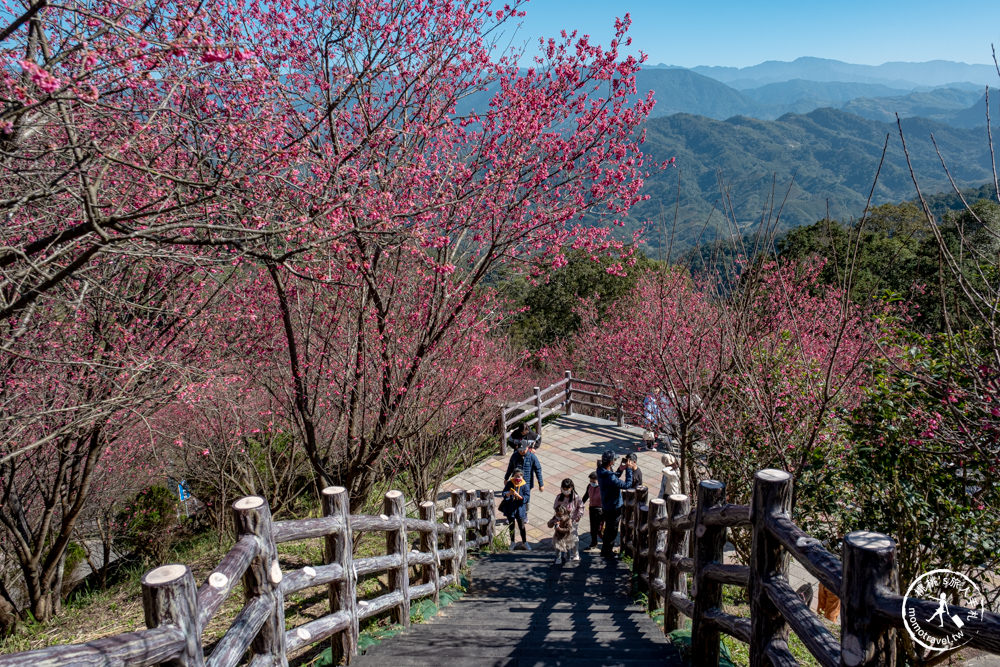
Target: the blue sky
(747, 32)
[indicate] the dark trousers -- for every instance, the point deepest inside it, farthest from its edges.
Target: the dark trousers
(596, 525)
(611, 518)
(520, 524)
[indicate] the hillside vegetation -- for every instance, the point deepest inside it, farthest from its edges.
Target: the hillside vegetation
(825, 161)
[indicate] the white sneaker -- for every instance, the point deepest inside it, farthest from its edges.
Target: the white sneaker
(527, 547)
(576, 557)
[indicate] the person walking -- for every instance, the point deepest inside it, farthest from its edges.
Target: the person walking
(514, 506)
(592, 498)
(564, 538)
(611, 498)
(570, 499)
(527, 462)
(651, 415)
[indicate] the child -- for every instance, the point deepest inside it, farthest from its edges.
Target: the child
(569, 499)
(514, 508)
(564, 538)
(593, 496)
(670, 483)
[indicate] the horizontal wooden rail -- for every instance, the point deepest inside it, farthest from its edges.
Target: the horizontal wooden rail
(734, 626)
(597, 406)
(304, 529)
(177, 613)
(310, 576)
(864, 579)
(808, 551)
(222, 580)
(317, 630)
(230, 649)
(592, 383)
(820, 641)
(592, 394)
(145, 647)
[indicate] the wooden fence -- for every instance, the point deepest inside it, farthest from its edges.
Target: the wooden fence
(563, 396)
(668, 540)
(177, 611)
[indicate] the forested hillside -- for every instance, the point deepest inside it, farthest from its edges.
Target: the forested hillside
(824, 161)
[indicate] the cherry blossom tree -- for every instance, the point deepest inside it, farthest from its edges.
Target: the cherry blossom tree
(78, 392)
(672, 334)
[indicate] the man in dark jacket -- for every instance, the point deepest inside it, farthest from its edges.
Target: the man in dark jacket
(611, 498)
(525, 460)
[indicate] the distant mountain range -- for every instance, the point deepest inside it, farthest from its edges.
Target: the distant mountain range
(894, 75)
(686, 91)
(804, 137)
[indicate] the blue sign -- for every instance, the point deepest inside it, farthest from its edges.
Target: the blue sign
(182, 490)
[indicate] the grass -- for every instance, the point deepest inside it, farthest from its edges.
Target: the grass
(91, 613)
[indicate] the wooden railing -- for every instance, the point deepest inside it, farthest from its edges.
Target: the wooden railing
(668, 540)
(564, 395)
(177, 611)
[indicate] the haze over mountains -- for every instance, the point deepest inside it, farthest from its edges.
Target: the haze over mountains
(705, 92)
(811, 131)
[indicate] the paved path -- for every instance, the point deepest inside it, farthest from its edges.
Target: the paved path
(523, 610)
(571, 446)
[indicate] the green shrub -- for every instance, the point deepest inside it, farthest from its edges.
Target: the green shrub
(150, 524)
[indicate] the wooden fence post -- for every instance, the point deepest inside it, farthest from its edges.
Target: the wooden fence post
(640, 543)
(252, 516)
(678, 507)
(709, 543)
(470, 518)
(430, 574)
(458, 558)
(869, 564)
(538, 409)
(619, 408)
(627, 529)
(491, 514)
(657, 542)
(502, 430)
(343, 596)
(772, 495)
(396, 544)
(569, 393)
(450, 542)
(170, 597)
(484, 532)
(461, 544)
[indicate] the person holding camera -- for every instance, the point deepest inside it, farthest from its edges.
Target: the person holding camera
(636, 472)
(612, 486)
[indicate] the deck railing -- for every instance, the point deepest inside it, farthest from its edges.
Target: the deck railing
(177, 611)
(563, 396)
(656, 535)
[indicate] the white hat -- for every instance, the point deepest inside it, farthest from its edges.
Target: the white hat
(669, 460)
